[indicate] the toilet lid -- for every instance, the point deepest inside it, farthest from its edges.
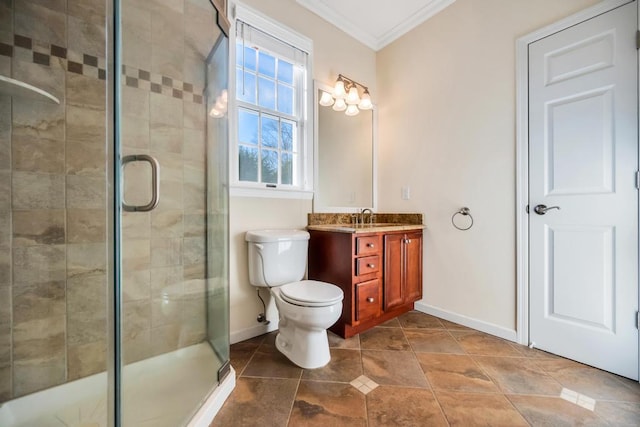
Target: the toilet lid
(311, 293)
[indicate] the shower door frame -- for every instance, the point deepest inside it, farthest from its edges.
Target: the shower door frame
(113, 222)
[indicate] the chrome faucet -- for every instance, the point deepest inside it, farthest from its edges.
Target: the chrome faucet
(363, 212)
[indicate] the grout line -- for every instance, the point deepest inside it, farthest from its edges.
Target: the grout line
(248, 361)
(444, 415)
(516, 408)
(366, 406)
(293, 401)
(486, 374)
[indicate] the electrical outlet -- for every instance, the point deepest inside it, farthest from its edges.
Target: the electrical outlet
(406, 193)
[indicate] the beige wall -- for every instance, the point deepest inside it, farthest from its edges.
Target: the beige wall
(446, 95)
(333, 52)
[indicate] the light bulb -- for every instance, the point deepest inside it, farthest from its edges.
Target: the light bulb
(353, 98)
(365, 101)
(220, 105)
(352, 110)
(338, 90)
(225, 96)
(340, 105)
(215, 113)
(326, 100)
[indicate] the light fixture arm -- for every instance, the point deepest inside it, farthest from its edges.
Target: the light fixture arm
(350, 82)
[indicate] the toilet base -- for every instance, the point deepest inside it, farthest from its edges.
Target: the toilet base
(307, 349)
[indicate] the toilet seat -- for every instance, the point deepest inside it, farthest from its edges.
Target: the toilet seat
(311, 293)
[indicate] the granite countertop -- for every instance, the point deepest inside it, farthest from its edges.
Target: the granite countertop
(343, 223)
(365, 228)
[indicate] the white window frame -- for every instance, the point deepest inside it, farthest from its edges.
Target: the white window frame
(305, 175)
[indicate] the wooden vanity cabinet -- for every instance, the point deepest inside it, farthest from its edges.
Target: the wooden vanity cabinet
(379, 273)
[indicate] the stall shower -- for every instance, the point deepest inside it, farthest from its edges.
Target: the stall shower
(113, 211)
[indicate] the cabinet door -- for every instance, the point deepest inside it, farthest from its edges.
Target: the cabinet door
(413, 272)
(393, 270)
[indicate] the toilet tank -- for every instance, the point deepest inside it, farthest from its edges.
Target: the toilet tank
(277, 257)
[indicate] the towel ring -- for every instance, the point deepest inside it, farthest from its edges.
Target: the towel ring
(464, 212)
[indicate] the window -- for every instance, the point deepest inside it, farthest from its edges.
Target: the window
(272, 138)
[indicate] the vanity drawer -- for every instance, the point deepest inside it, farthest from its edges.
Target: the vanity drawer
(367, 300)
(367, 245)
(367, 265)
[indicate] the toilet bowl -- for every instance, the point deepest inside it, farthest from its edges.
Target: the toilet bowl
(306, 308)
(303, 323)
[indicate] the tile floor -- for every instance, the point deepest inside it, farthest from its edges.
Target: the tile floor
(419, 370)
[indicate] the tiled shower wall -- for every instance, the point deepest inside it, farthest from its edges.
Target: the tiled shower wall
(52, 195)
(53, 187)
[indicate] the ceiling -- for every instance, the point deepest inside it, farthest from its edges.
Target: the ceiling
(376, 23)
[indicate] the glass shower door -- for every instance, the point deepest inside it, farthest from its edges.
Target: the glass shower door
(172, 147)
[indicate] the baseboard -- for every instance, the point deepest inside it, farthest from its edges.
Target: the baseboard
(253, 331)
(489, 328)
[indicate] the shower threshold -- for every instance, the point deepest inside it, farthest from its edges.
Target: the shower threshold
(164, 390)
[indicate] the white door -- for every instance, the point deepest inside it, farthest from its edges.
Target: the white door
(583, 158)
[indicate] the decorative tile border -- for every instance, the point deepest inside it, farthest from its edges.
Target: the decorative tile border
(28, 49)
(157, 83)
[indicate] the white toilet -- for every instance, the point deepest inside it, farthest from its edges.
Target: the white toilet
(278, 261)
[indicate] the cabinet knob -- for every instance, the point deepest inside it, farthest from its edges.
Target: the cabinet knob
(369, 245)
(407, 241)
(371, 265)
(370, 299)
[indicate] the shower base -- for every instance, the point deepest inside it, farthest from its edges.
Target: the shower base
(160, 391)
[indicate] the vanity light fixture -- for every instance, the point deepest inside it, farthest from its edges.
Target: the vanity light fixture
(345, 96)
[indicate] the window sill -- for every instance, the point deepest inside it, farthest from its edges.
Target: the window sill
(270, 193)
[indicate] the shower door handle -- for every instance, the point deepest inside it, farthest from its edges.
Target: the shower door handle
(155, 182)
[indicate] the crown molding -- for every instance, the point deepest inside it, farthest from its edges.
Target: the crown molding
(376, 43)
(328, 14)
(415, 19)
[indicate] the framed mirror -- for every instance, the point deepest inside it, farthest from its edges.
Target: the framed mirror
(345, 158)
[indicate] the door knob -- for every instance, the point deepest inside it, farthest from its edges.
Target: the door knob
(542, 209)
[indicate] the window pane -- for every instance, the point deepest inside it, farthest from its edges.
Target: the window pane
(285, 71)
(248, 164)
(286, 171)
(245, 86)
(249, 57)
(287, 135)
(267, 93)
(269, 166)
(285, 99)
(267, 65)
(270, 131)
(247, 127)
